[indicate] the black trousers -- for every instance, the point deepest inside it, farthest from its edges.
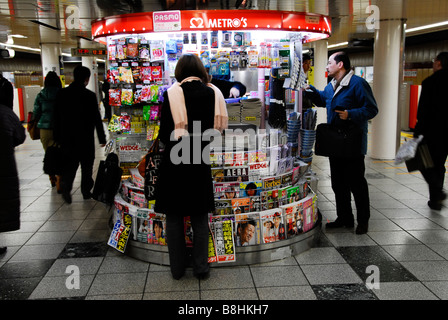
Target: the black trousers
(435, 177)
(72, 160)
(347, 177)
(177, 247)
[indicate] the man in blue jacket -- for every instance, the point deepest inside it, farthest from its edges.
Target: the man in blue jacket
(353, 98)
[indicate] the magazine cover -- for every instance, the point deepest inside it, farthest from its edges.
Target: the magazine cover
(250, 188)
(272, 225)
(248, 230)
(308, 213)
(218, 174)
(271, 182)
(144, 230)
(224, 241)
(188, 231)
(241, 205)
(223, 207)
(286, 179)
(120, 233)
(235, 159)
(258, 170)
(295, 175)
(238, 174)
(294, 218)
(226, 190)
(255, 204)
(269, 199)
(282, 196)
(159, 230)
(216, 159)
(211, 243)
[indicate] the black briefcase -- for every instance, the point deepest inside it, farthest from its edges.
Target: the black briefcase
(422, 159)
(341, 141)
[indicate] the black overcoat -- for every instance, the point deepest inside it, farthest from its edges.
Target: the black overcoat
(12, 133)
(186, 188)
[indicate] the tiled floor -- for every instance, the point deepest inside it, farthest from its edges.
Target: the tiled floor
(405, 251)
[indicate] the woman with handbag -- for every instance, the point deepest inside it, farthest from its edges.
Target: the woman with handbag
(184, 182)
(44, 111)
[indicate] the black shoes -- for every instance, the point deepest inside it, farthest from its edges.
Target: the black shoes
(87, 196)
(435, 205)
(2, 250)
(202, 275)
(362, 228)
(338, 223)
(67, 197)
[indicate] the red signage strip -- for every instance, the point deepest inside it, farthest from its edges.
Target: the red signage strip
(212, 20)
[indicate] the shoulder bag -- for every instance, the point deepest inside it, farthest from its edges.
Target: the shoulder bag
(341, 141)
(32, 128)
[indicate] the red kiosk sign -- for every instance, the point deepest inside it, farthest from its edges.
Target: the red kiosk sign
(318, 26)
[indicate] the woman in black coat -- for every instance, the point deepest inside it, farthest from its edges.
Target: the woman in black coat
(184, 186)
(12, 134)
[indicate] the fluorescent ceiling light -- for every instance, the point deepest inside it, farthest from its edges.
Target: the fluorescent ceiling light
(337, 45)
(429, 26)
(15, 46)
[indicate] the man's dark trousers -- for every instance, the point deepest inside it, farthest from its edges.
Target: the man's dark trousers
(347, 176)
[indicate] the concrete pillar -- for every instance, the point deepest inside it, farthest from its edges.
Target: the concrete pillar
(50, 46)
(387, 79)
(91, 63)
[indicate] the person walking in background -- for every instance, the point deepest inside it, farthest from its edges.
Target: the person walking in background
(76, 118)
(44, 111)
(189, 101)
(12, 134)
(354, 95)
(432, 121)
(7, 91)
(107, 108)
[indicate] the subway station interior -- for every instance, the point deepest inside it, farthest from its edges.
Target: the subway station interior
(391, 44)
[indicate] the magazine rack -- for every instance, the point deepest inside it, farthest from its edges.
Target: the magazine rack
(244, 255)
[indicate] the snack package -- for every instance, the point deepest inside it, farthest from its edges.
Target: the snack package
(126, 75)
(143, 50)
(146, 93)
(154, 93)
(125, 123)
(114, 124)
(112, 52)
(121, 49)
(146, 112)
(113, 75)
(132, 50)
(154, 113)
(115, 97)
(156, 73)
(137, 95)
(135, 72)
(157, 52)
(145, 74)
(127, 97)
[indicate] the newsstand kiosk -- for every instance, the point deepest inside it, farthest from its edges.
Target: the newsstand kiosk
(266, 206)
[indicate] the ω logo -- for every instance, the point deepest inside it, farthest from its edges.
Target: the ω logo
(198, 23)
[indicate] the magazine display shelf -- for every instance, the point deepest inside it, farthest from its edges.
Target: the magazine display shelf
(245, 255)
(247, 42)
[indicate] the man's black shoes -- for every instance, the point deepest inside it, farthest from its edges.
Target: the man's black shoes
(339, 224)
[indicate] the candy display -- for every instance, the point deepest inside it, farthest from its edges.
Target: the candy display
(127, 97)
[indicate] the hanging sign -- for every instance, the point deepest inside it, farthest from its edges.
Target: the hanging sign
(315, 25)
(166, 21)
